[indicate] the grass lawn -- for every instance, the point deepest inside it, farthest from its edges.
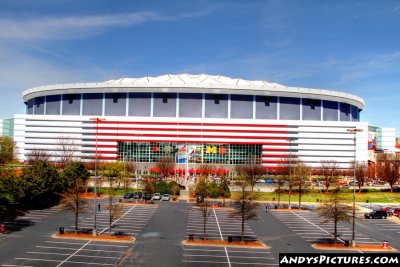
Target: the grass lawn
(372, 197)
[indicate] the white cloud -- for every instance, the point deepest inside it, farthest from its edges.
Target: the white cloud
(61, 28)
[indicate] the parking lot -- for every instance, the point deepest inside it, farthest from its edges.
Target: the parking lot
(28, 218)
(219, 227)
(63, 252)
(160, 229)
(310, 227)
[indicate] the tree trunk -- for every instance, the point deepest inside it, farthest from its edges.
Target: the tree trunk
(205, 228)
(242, 237)
(279, 194)
(299, 196)
(76, 222)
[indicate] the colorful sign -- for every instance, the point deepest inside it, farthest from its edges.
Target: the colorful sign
(372, 141)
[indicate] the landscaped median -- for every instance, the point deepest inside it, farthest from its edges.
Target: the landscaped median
(89, 236)
(223, 243)
(357, 247)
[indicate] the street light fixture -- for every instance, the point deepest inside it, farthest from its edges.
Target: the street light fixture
(97, 120)
(353, 236)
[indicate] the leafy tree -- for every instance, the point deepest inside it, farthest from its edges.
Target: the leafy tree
(202, 188)
(223, 188)
(245, 208)
(39, 183)
(72, 171)
(213, 190)
(72, 199)
(163, 187)
(335, 211)
(6, 195)
(329, 172)
(149, 185)
(174, 187)
(388, 168)
(7, 150)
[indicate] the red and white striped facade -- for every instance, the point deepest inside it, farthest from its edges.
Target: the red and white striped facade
(309, 140)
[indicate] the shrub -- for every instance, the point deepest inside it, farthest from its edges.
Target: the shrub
(213, 189)
(163, 187)
(174, 188)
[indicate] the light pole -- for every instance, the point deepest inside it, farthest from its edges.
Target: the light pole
(353, 236)
(97, 120)
(290, 170)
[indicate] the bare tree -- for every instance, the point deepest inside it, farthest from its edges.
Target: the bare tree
(205, 210)
(388, 167)
(112, 171)
(301, 174)
(38, 155)
(329, 172)
(251, 171)
(245, 208)
(164, 165)
(361, 173)
(66, 148)
(335, 211)
(280, 181)
(72, 200)
(286, 170)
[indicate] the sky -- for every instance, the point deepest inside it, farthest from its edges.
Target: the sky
(343, 45)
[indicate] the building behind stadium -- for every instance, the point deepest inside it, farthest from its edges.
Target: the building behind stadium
(196, 119)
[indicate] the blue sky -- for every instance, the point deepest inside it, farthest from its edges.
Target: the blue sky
(345, 45)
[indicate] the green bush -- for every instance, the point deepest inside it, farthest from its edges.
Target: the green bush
(163, 187)
(174, 187)
(213, 189)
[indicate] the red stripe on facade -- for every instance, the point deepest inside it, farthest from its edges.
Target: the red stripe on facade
(271, 161)
(191, 124)
(191, 141)
(275, 149)
(274, 155)
(192, 130)
(194, 136)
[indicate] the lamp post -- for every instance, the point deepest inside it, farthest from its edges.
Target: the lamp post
(353, 236)
(97, 120)
(290, 170)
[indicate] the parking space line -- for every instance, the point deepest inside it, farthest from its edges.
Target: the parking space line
(222, 238)
(74, 253)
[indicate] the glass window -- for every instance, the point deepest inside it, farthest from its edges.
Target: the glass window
(115, 104)
(311, 109)
(241, 106)
(71, 104)
(139, 104)
(216, 106)
(38, 107)
(345, 112)
(289, 108)
(53, 104)
(330, 110)
(164, 105)
(29, 106)
(92, 104)
(266, 107)
(354, 113)
(190, 105)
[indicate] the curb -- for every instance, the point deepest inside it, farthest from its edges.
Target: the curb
(57, 236)
(360, 248)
